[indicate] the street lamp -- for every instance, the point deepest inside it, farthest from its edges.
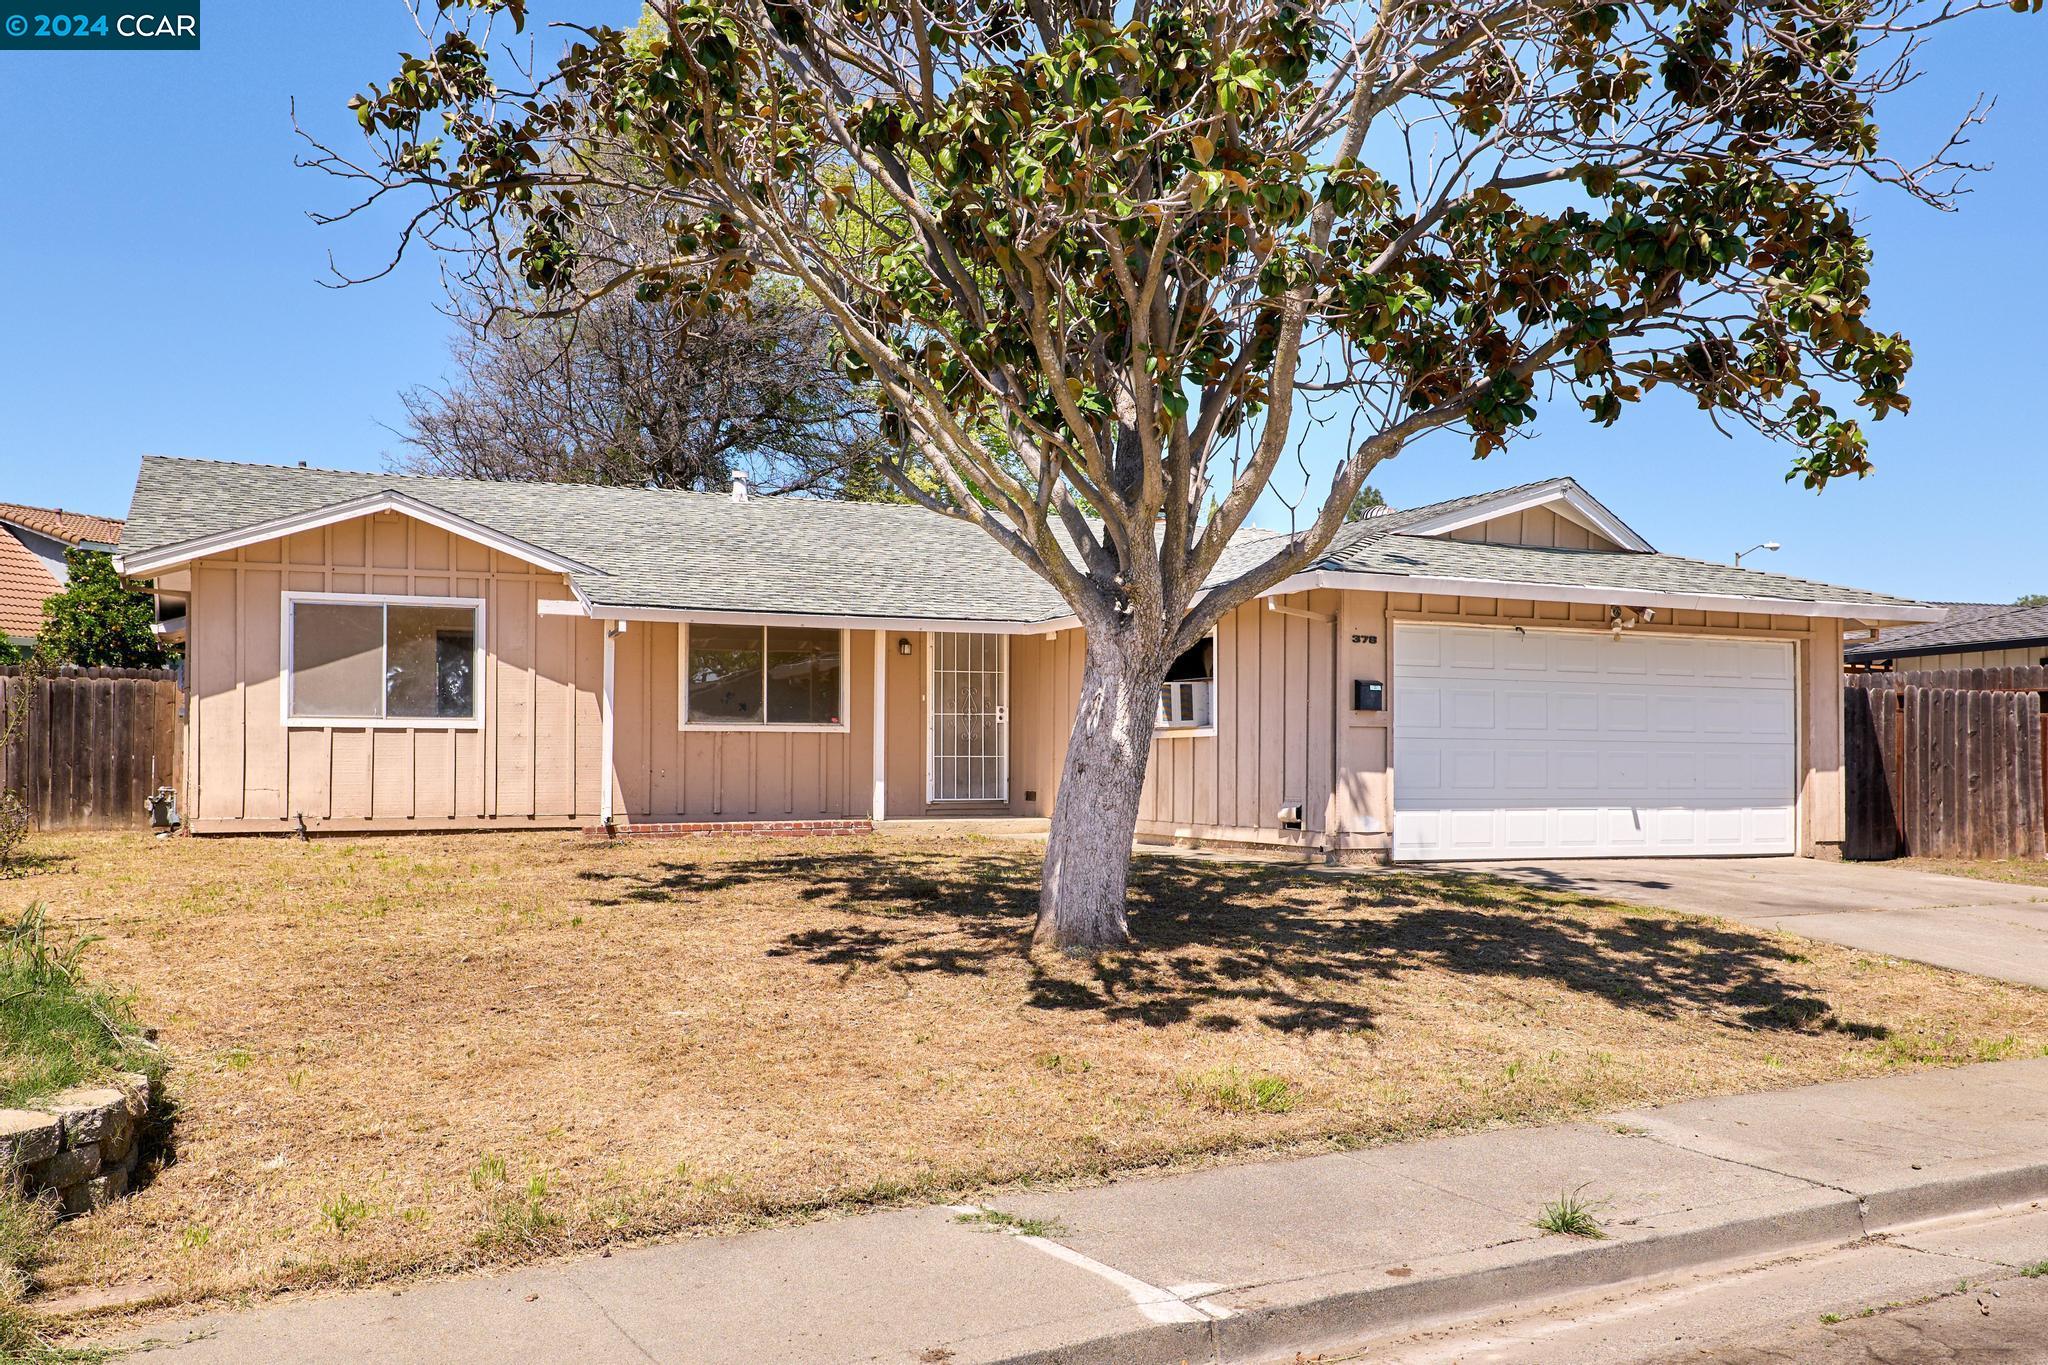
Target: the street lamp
(1767, 545)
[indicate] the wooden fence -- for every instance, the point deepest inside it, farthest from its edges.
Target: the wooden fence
(97, 743)
(1945, 771)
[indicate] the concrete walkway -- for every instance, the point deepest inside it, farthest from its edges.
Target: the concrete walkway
(1989, 928)
(1237, 1263)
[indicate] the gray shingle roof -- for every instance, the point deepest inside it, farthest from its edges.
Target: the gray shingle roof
(657, 547)
(1969, 625)
(703, 552)
(1621, 570)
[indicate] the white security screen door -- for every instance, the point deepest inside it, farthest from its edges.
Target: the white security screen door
(970, 730)
(1579, 744)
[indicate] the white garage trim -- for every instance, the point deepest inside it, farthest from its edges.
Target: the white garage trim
(1528, 742)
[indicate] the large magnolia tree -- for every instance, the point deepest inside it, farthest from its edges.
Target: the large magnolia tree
(1099, 259)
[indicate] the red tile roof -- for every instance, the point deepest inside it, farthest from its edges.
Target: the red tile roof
(24, 583)
(58, 524)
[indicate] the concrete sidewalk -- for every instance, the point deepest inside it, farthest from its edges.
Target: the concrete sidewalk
(1236, 1263)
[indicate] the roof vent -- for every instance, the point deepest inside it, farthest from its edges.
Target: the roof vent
(739, 485)
(1380, 511)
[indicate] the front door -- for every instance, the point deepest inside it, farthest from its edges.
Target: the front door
(969, 745)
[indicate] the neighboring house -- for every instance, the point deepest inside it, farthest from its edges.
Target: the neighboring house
(1515, 673)
(32, 545)
(1972, 635)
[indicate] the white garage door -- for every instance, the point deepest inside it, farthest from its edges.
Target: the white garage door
(1579, 744)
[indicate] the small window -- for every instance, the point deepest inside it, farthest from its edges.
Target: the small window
(1187, 699)
(763, 675)
(397, 661)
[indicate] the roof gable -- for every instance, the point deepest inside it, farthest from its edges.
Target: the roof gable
(24, 582)
(1562, 496)
(151, 560)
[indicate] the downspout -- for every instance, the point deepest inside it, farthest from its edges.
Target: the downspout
(608, 727)
(881, 792)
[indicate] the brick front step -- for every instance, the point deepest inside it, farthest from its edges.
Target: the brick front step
(692, 829)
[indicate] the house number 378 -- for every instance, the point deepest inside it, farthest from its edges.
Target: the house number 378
(1365, 639)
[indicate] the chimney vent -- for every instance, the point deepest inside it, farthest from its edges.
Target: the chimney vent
(739, 485)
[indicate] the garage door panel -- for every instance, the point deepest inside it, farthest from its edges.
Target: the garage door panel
(1673, 713)
(1525, 770)
(1629, 657)
(1576, 710)
(1575, 743)
(1471, 773)
(1524, 709)
(1469, 651)
(1625, 713)
(1523, 651)
(1470, 709)
(1678, 770)
(1577, 770)
(1574, 653)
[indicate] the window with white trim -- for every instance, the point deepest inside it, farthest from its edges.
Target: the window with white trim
(1187, 699)
(771, 677)
(391, 661)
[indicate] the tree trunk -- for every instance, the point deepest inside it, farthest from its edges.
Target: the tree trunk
(1095, 813)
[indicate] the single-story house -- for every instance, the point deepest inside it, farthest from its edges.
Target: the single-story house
(32, 545)
(1512, 673)
(1972, 635)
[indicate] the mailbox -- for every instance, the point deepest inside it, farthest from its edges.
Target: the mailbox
(1368, 696)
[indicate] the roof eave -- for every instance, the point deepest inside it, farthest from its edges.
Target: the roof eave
(1881, 651)
(1876, 613)
(584, 606)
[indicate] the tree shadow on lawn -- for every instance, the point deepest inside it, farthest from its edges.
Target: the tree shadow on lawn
(1223, 944)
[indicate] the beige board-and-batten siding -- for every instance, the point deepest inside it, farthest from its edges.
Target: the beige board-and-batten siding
(1286, 733)
(535, 760)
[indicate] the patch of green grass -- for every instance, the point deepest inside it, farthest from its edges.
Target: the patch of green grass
(1230, 1091)
(521, 1220)
(1065, 1063)
(1830, 1319)
(1997, 1049)
(2035, 1271)
(57, 1031)
(342, 1212)
(489, 1171)
(1570, 1215)
(1010, 1222)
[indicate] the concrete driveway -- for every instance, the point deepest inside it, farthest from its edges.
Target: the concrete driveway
(1988, 928)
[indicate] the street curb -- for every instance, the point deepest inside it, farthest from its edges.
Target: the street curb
(1279, 1320)
(1988, 1186)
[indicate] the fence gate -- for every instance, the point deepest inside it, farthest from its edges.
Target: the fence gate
(1943, 772)
(97, 743)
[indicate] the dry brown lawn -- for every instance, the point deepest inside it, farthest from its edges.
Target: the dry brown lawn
(2020, 871)
(407, 1055)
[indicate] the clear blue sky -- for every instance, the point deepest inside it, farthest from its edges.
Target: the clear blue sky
(164, 295)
